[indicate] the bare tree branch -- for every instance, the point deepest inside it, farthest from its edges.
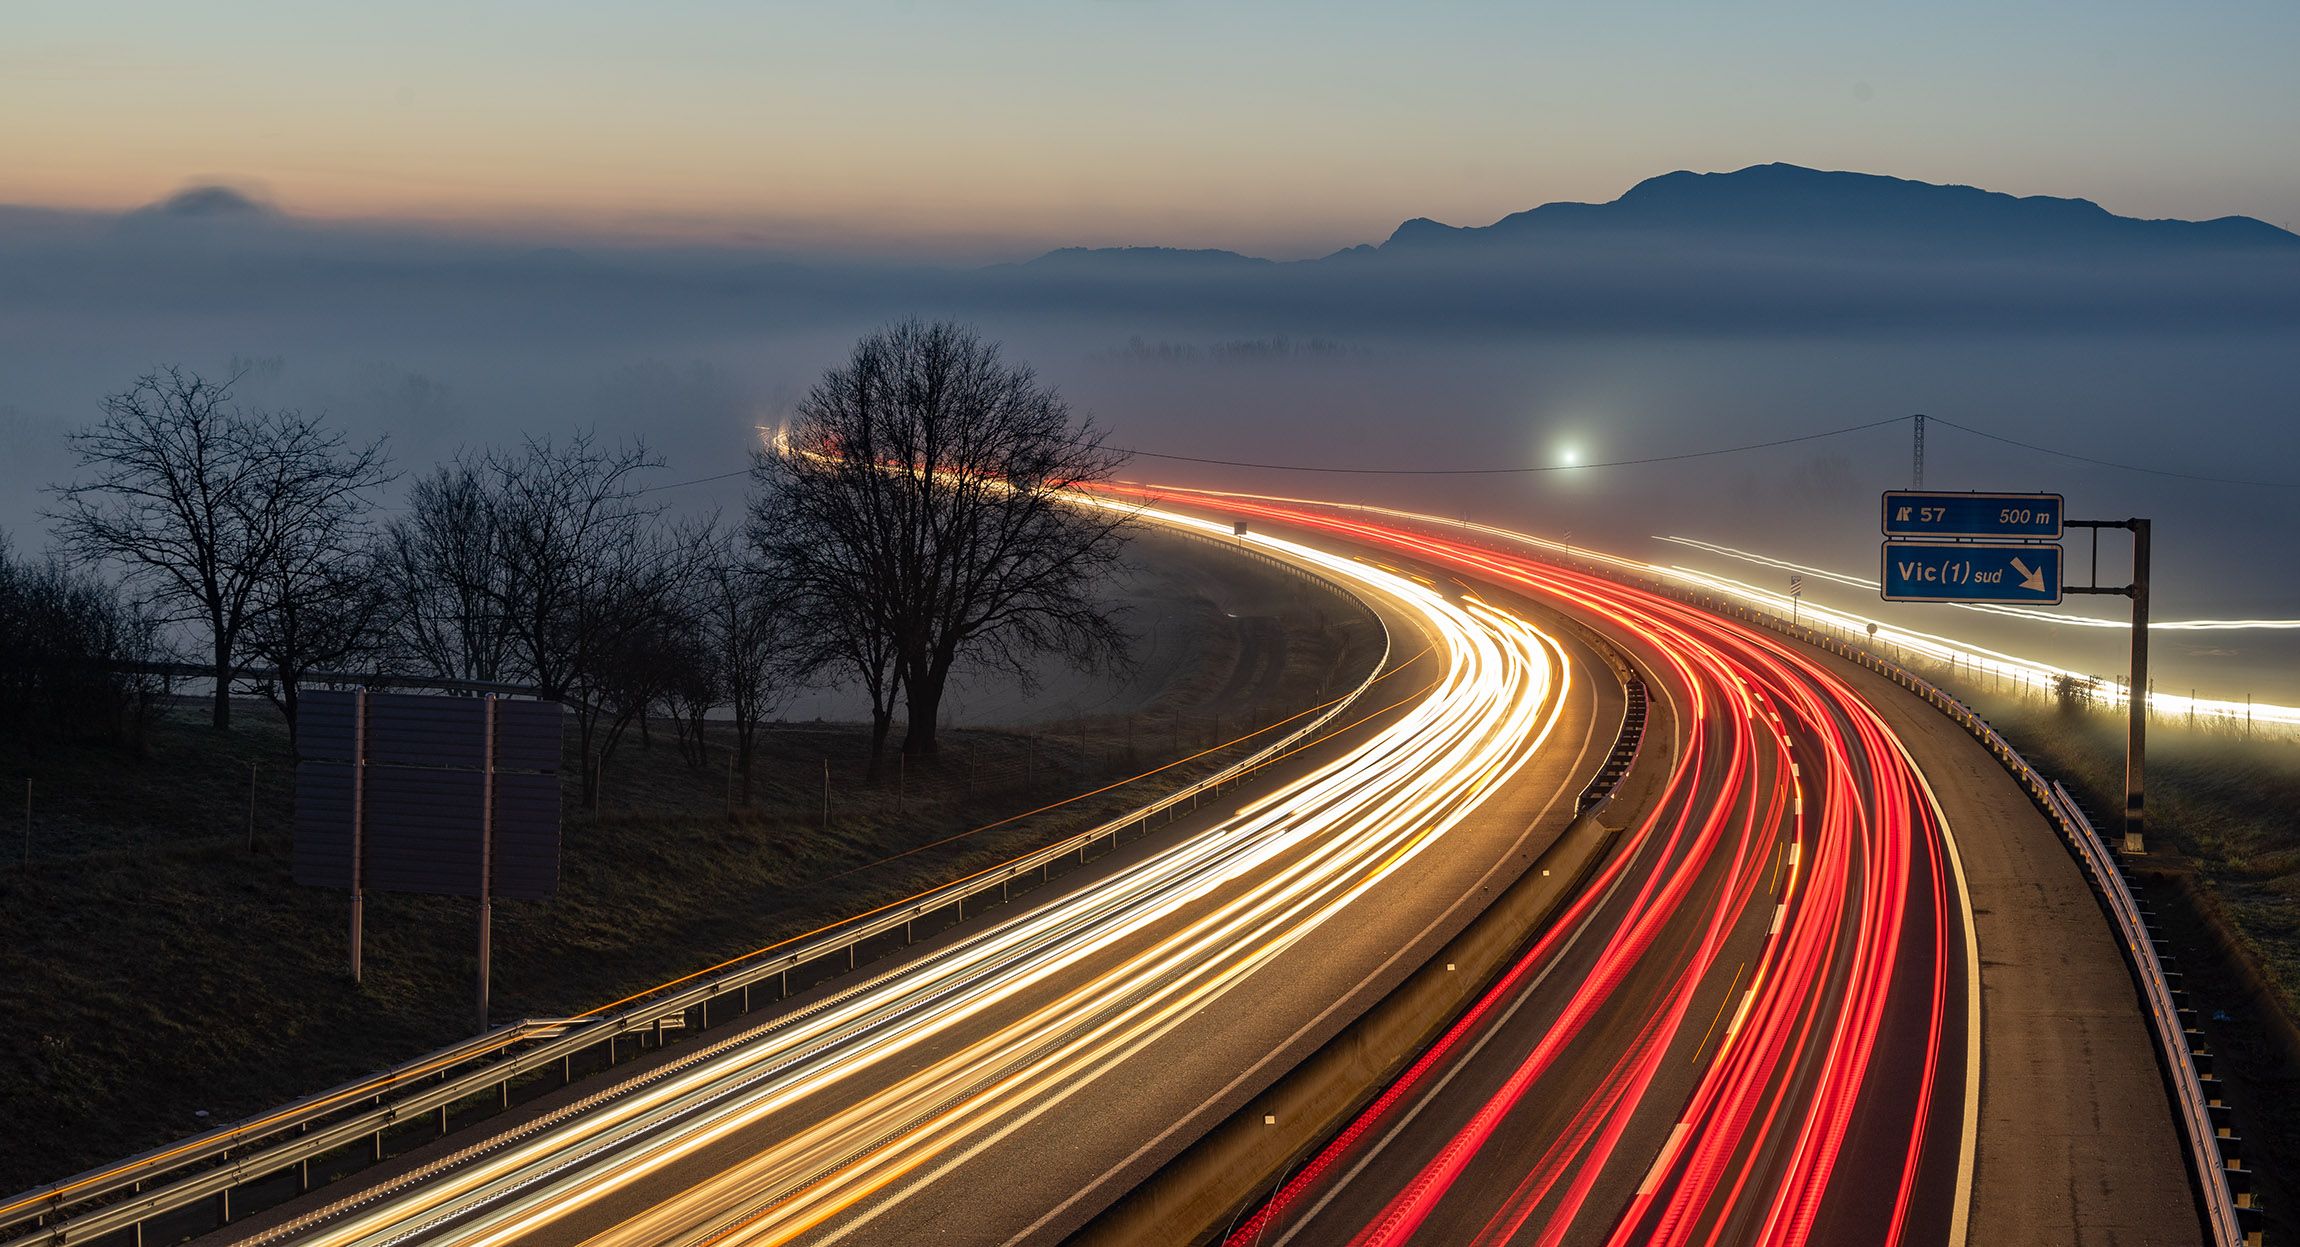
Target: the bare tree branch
(199, 501)
(924, 508)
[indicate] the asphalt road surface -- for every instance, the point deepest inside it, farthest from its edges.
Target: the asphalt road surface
(1761, 1021)
(1755, 1025)
(1005, 1081)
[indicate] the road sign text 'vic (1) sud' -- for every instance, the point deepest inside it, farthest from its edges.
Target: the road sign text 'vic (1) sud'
(1999, 517)
(2021, 574)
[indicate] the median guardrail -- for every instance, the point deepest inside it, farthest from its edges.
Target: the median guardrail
(1201, 1194)
(210, 1166)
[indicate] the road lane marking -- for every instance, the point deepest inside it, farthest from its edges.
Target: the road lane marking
(1960, 1216)
(1661, 1162)
(1703, 1046)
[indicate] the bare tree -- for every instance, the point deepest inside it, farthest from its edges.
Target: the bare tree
(688, 659)
(830, 585)
(928, 496)
(584, 575)
(198, 499)
(68, 647)
(649, 659)
(322, 607)
(747, 636)
(691, 690)
(445, 579)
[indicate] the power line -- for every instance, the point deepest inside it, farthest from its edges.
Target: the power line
(1625, 463)
(1542, 467)
(2111, 463)
(700, 480)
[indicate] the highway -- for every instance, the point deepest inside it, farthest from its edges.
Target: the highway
(1036, 1055)
(1757, 1024)
(1759, 1020)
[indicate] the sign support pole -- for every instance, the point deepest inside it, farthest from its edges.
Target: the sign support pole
(358, 822)
(2136, 739)
(2136, 688)
(486, 864)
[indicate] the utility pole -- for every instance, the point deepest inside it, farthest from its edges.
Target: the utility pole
(358, 824)
(1917, 466)
(487, 863)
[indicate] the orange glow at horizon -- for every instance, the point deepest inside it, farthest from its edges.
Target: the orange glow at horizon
(1283, 129)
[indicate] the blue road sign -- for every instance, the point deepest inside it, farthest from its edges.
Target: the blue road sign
(2000, 517)
(1952, 571)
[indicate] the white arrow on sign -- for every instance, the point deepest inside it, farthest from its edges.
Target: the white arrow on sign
(2030, 579)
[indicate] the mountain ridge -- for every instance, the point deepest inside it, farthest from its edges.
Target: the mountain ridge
(1778, 207)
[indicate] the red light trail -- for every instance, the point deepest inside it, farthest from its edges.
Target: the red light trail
(1831, 1101)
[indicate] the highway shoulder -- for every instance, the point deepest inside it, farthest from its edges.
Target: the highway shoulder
(2077, 1140)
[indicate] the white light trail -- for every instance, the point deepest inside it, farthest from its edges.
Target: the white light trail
(1984, 661)
(1187, 925)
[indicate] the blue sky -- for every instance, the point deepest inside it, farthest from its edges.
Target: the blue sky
(985, 129)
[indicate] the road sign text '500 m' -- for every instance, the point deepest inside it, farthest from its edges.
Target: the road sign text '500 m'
(1999, 517)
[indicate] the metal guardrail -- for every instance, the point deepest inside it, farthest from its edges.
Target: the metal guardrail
(2212, 1145)
(75, 1210)
(1626, 743)
(338, 679)
(214, 1145)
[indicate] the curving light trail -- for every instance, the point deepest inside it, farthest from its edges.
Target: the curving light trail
(1758, 1022)
(877, 1091)
(1982, 660)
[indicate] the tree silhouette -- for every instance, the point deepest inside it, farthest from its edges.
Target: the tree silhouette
(200, 501)
(927, 508)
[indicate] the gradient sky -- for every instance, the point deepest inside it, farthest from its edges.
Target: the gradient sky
(994, 129)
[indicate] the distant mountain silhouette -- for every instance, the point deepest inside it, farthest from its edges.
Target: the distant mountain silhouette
(200, 214)
(1783, 206)
(1148, 259)
(1769, 249)
(210, 202)
(1777, 209)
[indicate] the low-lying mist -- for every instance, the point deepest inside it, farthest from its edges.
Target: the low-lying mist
(2185, 365)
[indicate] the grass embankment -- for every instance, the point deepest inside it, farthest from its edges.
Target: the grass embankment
(2224, 861)
(152, 966)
